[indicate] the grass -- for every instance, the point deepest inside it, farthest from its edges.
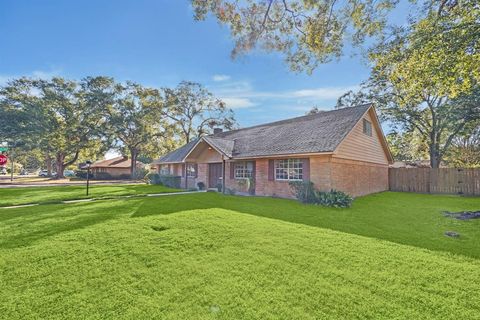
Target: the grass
(406, 218)
(208, 256)
(28, 195)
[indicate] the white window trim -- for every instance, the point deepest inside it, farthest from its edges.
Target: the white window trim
(288, 168)
(245, 169)
(164, 169)
(190, 172)
(367, 124)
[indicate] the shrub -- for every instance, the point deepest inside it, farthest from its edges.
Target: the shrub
(170, 181)
(103, 176)
(334, 198)
(140, 173)
(201, 185)
(83, 174)
(304, 191)
(153, 178)
(125, 176)
(247, 185)
(231, 191)
(251, 188)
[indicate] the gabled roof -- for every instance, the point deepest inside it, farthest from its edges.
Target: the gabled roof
(118, 162)
(179, 154)
(317, 133)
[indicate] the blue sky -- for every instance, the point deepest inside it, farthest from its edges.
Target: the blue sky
(157, 43)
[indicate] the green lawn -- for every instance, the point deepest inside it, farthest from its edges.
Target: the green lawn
(208, 256)
(27, 195)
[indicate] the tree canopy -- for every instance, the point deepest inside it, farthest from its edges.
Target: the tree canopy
(306, 32)
(195, 111)
(58, 115)
(136, 120)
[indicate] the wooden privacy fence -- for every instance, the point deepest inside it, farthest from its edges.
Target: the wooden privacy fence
(428, 180)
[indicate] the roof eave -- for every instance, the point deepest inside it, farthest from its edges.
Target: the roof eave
(205, 139)
(283, 155)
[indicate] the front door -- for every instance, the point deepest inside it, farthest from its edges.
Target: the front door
(214, 174)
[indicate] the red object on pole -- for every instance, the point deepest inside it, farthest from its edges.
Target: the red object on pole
(3, 159)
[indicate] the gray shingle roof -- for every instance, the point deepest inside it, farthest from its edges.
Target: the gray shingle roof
(177, 155)
(321, 132)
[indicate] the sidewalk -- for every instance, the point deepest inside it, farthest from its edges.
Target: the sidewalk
(105, 198)
(33, 181)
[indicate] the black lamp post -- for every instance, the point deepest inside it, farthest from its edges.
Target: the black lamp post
(88, 164)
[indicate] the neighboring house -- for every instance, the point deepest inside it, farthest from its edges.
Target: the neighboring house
(343, 149)
(118, 167)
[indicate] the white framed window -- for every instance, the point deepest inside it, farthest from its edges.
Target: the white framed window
(164, 170)
(289, 169)
(191, 172)
(367, 127)
(243, 170)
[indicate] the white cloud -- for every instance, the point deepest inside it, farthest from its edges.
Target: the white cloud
(37, 74)
(3, 80)
(45, 74)
(242, 95)
(220, 77)
(238, 103)
(325, 93)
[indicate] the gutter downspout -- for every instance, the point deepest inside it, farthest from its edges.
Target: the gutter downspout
(186, 176)
(223, 175)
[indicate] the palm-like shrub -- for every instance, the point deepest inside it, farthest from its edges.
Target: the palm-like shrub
(333, 198)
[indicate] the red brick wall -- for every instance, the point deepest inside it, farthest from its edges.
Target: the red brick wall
(264, 187)
(320, 172)
(237, 184)
(358, 178)
(202, 175)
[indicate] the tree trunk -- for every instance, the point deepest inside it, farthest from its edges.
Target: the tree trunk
(60, 165)
(48, 164)
(435, 157)
(133, 167)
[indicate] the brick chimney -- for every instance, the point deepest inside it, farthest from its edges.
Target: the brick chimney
(217, 130)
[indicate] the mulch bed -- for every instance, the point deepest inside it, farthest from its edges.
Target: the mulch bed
(463, 215)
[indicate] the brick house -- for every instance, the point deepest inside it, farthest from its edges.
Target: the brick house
(117, 168)
(343, 149)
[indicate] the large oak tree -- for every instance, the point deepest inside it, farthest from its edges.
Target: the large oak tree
(136, 120)
(306, 32)
(196, 111)
(59, 116)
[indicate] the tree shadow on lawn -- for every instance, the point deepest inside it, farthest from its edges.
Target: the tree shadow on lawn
(41, 222)
(411, 219)
(30, 195)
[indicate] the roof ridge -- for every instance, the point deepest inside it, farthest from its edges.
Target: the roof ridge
(219, 135)
(321, 132)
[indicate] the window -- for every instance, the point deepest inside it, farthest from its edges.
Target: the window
(367, 127)
(289, 169)
(243, 170)
(191, 172)
(164, 170)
